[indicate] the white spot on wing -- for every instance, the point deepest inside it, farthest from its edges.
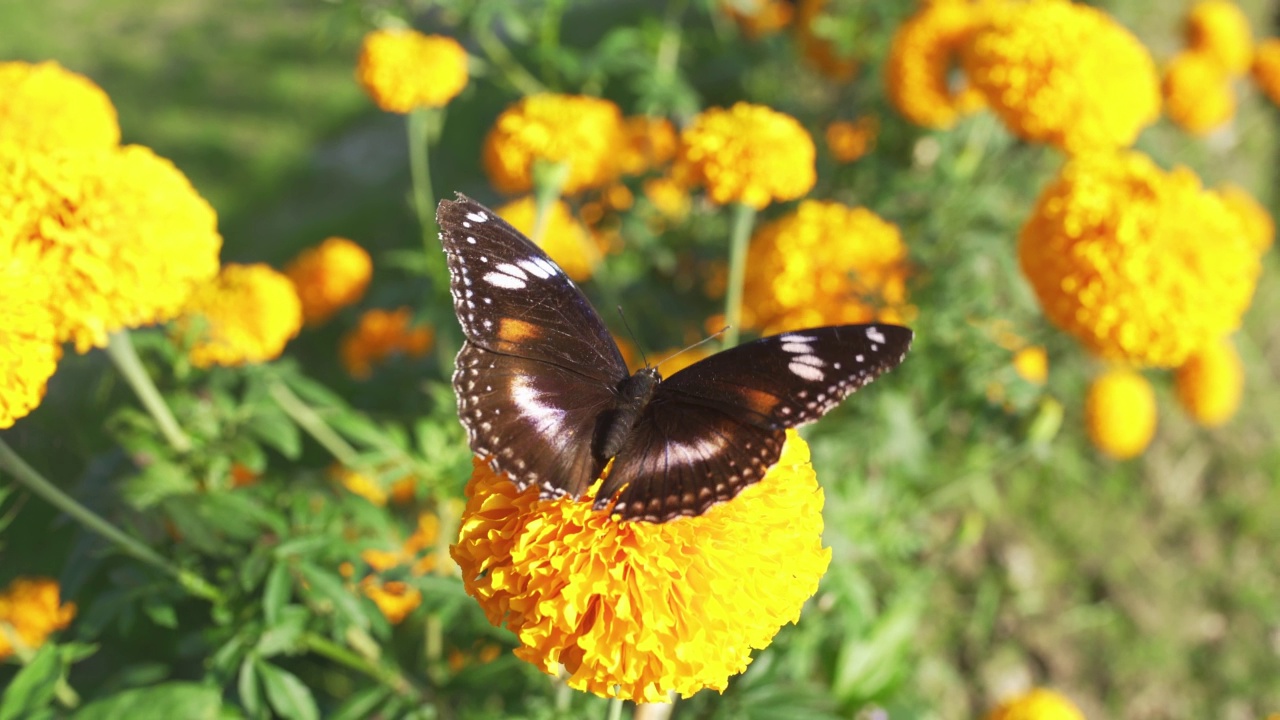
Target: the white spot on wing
(689, 453)
(547, 419)
(813, 360)
(512, 270)
(798, 348)
(477, 217)
(874, 335)
(535, 269)
(792, 337)
(503, 280)
(547, 266)
(808, 372)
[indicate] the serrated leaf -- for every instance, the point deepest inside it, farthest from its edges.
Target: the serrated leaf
(186, 700)
(32, 688)
(288, 696)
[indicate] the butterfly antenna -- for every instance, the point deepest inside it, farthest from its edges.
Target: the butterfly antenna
(634, 341)
(706, 339)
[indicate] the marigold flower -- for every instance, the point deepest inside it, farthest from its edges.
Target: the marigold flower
(29, 349)
(825, 264)
(1038, 704)
(1210, 383)
(759, 18)
(403, 69)
(1064, 74)
(379, 335)
(121, 233)
(650, 143)
(44, 107)
(417, 551)
(249, 313)
(821, 54)
(668, 197)
(918, 71)
(394, 598)
(1266, 68)
(359, 483)
(243, 476)
(584, 132)
(1140, 265)
(850, 140)
(1219, 29)
(1032, 364)
(570, 243)
(329, 277)
(1197, 92)
(638, 609)
(749, 154)
(1259, 228)
(30, 611)
(1120, 413)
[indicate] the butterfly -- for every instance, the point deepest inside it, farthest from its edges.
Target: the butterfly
(546, 397)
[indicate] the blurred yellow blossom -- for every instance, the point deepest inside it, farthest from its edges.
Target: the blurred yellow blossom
(1259, 227)
(1032, 364)
(638, 609)
(329, 277)
(569, 243)
(369, 488)
(1038, 704)
(1219, 29)
(849, 140)
(1197, 92)
(1120, 413)
(747, 154)
(584, 132)
(394, 598)
(247, 314)
(403, 69)
(379, 335)
(44, 107)
(650, 143)
(29, 349)
(1266, 68)
(1063, 73)
(668, 197)
(30, 611)
(759, 18)
(1210, 383)
(1140, 265)
(924, 50)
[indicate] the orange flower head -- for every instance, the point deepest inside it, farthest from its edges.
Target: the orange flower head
(1197, 92)
(1220, 29)
(1038, 704)
(922, 56)
(329, 277)
(849, 140)
(584, 132)
(403, 69)
(1266, 68)
(1210, 384)
(381, 334)
(1120, 414)
(248, 313)
(30, 612)
(747, 154)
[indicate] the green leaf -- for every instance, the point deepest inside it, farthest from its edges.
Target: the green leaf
(282, 637)
(186, 700)
(248, 688)
(362, 704)
(272, 425)
(32, 688)
(276, 593)
(162, 614)
(286, 693)
(328, 587)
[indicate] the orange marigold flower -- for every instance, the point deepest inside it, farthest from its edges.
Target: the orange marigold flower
(850, 140)
(44, 107)
(1259, 228)
(1064, 74)
(825, 264)
(243, 476)
(381, 334)
(248, 313)
(1032, 364)
(650, 143)
(30, 611)
(1140, 265)
(749, 154)
(816, 47)
(329, 277)
(29, 349)
(417, 551)
(1219, 29)
(637, 609)
(759, 18)
(403, 69)
(584, 132)
(121, 233)
(372, 489)
(924, 50)
(1120, 413)
(1197, 92)
(1210, 383)
(668, 197)
(1266, 68)
(1038, 704)
(394, 598)
(570, 243)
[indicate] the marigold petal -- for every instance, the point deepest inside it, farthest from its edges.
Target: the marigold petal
(1197, 92)
(1210, 384)
(248, 314)
(1220, 29)
(44, 108)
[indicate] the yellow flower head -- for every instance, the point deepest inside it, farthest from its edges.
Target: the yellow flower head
(921, 57)
(1140, 265)
(122, 234)
(1266, 68)
(403, 69)
(329, 277)
(825, 264)
(1197, 92)
(29, 612)
(817, 50)
(247, 314)
(1259, 228)
(1210, 383)
(585, 132)
(29, 348)
(668, 197)
(759, 18)
(1064, 74)
(650, 143)
(564, 238)
(849, 140)
(749, 154)
(381, 334)
(44, 107)
(1038, 704)
(1219, 29)
(394, 598)
(1032, 364)
(1120, 413)
(369, 488)
(638, 609)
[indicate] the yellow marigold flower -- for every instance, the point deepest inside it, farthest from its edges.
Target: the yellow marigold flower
(1038, 704)
(650, 143)
(638, 609)
(759, 18)
(1259, 228)
(749, 154)
(850, 140)
(358, 483)
(29, 349)
(417, 550)
(1064, 74)
(1120, 413)
(394, 598)
(122, 234)
(329, 277)
(574, 248)
(817, 50)
(29, 612)
(44, 107)
(584, 132)
(248, 313)
(403, 69)
(1197, 92)
(1032, 364)
(1140, 265)
(1220, 29)
(669, 197)
(1210, 383)
(381, 334)
(1266, 68)
(921, 57)
(825, 264)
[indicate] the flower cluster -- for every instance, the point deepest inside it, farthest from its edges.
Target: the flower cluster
(1220, 30)
(30, 611)
(44, 108)
(1210, 383)
(329, 277)
(582, 132)
(1038, 704)
(244, 315)
(849, 140)
(568, 242)
(379, 335)
(637, 609)
(397, 598)
(921, 57)
(404, 69)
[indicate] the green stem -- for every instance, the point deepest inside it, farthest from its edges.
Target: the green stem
(36, 483)
(549, 39)
(424, 201)
(308, 419)
(615, 709)
(389, 677)
(120, 350)
(548, 182)
(668, 55)
(744, 217)
(501, 57)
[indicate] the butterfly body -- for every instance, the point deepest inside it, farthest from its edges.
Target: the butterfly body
(545, 395)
